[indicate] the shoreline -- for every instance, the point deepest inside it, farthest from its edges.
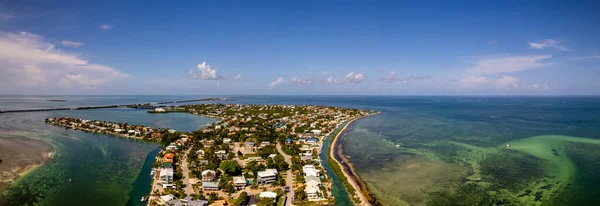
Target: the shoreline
(354, 180)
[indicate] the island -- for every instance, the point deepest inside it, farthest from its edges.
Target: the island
(266, 154)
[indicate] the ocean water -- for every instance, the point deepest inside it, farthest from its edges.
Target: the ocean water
(417, 151)
(104, 170)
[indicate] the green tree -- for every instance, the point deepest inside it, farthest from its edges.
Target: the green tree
(231, 167)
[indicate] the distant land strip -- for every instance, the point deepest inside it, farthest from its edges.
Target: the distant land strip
(142, 105)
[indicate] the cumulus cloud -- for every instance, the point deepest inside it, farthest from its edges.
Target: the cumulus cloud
(206, 73)
(27, 61)
(278, 81)
(71, 44)
(331, 80)
(497, 65)
(548, 43)
(106, 27)
(354, 78)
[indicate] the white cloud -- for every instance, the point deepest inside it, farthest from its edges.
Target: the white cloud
(331, 80)
(299, 82)
(354, 78)
(507, 82)
(27, 60)
(473, 81)
(539, 87)
(497, 65)
(391, 78)
(237, 77)
(71, 44)
(206, 73)
(106, 27)
(548, 43)
(278, 81)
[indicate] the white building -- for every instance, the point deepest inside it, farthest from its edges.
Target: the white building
(267, 176)
(239, 182)
(166, 175)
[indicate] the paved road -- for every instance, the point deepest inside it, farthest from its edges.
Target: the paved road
(289, 176)
(186, 179)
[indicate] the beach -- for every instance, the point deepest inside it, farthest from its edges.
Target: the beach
(351, 176)
(19, 156)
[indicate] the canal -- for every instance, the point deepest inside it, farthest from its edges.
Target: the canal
(338, 189)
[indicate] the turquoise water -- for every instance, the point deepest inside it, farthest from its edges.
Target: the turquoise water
(104, 170)
(338, 189)
(441, 139)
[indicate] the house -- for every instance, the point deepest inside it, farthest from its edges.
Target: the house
(249, 148)
(239, 182)
(264, 144)
(167, 198)
(159, 110)
(306, 157)
(166, 175)
(175, 203)
(312, 193)
(310, 170)
(267, 194)
(171, 147)
(197, 203)
(316, 131)
(208, 143)
(267, 176)
(258, 159)
(172, 131)
(272, 156)
(200, 153)
(312, 141)
(208, 175)
(168, 157)
(289, 141)
(221, 154)
(210, 186)
(226, 140)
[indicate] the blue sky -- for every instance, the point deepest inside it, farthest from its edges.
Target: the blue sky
(308, 47)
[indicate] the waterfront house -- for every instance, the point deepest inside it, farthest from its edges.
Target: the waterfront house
(316, 131)
(166, 175)
(267, 176)
(210, 186)
(312, 141)
(167, 198)
(208, 175)
(310, 170)
(306, 157)
(171, 147)
(159, 110)
(239, 182)
(312, 193)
